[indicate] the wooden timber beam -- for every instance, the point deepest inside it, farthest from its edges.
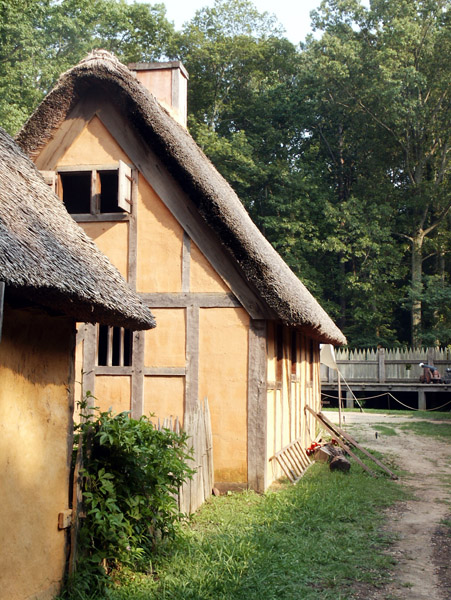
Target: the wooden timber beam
(341, 443)
(337, 432)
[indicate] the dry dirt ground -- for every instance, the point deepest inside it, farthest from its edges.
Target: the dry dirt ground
(423, 548)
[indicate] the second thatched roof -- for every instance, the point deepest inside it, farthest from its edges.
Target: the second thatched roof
(47, 259)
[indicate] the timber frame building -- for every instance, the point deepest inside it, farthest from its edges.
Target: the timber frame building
(234, 323)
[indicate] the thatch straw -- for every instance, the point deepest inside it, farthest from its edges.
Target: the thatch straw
(47, 259)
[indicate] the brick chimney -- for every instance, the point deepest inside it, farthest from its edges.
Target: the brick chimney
(168, 82)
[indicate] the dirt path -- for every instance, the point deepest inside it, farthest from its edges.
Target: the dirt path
(423, 549)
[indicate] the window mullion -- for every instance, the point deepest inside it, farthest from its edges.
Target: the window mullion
(95, 192)
(109, 356)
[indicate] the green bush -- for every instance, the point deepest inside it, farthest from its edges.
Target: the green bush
(131, 475)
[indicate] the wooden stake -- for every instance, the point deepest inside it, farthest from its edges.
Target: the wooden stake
(356, 445)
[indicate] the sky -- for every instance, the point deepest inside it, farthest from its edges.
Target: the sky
(293, 15)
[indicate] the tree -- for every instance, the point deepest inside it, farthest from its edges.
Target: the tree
(40, 39)
(384, 71)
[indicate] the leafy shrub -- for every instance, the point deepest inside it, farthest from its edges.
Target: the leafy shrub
(131, 474)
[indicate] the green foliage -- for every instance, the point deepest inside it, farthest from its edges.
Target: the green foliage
(40, 39)
(131, 475)
(310, 541)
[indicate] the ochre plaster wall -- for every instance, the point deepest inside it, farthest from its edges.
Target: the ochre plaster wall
(223, 354)
(203, 278)
(95, 145)
(113, 391)
(164, 397)
(112, 239)
(160, 243)
(36, 371)
(165, 346)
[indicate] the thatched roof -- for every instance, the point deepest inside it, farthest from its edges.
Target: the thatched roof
(47, 259)
(283, 293)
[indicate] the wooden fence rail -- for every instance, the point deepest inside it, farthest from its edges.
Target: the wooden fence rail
(197, 425)
(381, 365)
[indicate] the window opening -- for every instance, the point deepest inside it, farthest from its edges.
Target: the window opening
(76, 191)
(100, 189)
(108, 184)
(114, 348)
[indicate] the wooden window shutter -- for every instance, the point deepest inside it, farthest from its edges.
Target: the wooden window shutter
(50, 179)
(124, 199)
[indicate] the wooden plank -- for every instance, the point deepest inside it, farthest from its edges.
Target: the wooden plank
(133, 234)
(165, 371)
(124, 194)
(2, 304)
(182, 208)
(103, 370)
(137, 399)
(257, 408)
(192, 359)
(347, 437)
(89, 359)
(101, 217)
(109, 347)
(186, 263)
(84, 167)
(77, 500)
(342, 444)
(185, 299)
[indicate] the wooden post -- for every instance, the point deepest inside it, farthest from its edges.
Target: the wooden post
(421, 399)
(2, 298)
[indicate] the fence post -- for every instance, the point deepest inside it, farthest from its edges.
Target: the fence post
(431, 356)
(381, 364)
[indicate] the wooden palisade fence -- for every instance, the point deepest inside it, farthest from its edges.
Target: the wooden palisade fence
(197, 425)
(382, 365)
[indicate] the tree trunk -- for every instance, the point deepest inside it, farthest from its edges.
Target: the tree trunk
(417, 286)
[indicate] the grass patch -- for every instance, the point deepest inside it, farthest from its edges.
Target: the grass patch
(440, 431)
(385, 430)
(311, 541)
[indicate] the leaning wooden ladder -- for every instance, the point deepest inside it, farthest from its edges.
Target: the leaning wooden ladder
(293, 460)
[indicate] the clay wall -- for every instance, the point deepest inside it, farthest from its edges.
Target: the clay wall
(36, 401)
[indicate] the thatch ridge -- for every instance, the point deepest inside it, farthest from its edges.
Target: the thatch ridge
(285, 295)
(47, 259)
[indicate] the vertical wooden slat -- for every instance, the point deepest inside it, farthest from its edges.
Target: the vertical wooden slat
(109, 347)
(137, 399)
(121, 346)
(95, 193)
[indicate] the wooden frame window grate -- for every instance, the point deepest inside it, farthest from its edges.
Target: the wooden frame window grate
(114, 346)
(93, 189)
